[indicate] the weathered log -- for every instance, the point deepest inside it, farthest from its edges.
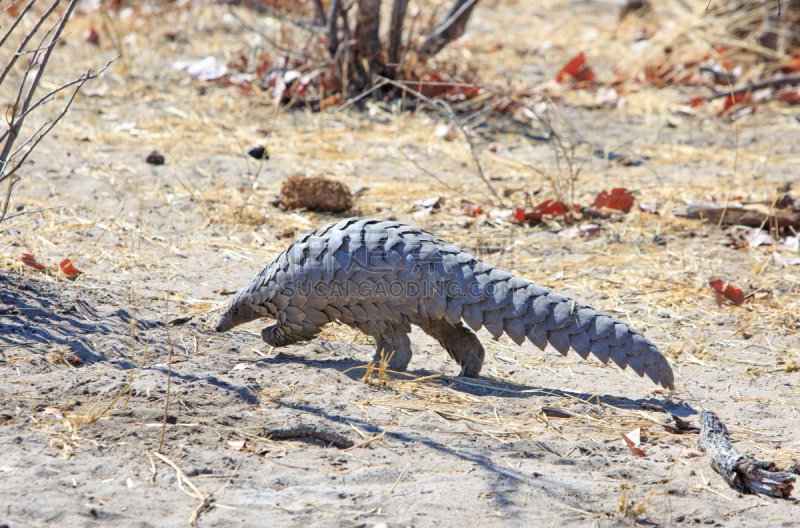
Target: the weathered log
(742, 472)
(311, 431)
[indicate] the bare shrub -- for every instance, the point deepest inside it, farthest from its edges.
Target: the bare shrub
(15, 147)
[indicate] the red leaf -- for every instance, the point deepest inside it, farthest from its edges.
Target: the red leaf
(619, 198)
(792, 65)
(726, 291)
(30, 260)
(790, 97)
(69, 270)
(732, 100)
(552, 208)
(697, 101)
(92, 36)
(576, 69)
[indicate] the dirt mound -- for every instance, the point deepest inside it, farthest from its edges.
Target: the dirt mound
(316, 194)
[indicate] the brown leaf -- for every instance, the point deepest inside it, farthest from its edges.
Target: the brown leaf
(92, 36)
(632, 439)
(30, 260)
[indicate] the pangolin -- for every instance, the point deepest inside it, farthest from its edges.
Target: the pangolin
(383, 276)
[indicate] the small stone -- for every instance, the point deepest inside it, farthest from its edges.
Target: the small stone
(154, 158)
(258, 152)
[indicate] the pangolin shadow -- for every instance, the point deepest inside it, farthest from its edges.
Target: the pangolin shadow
(556, 490)
(355, 370)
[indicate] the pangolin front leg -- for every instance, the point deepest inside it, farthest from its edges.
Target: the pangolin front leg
(397, 349)
(460, 343)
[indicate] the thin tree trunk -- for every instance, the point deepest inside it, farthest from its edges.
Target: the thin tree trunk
(368, 61)
(396, 32)
(333, 33)
(449, 30)
(319, 13)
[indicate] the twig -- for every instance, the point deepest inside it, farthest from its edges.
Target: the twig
(311, 431)
(772, 83)
(742, 472)
(429, 173)
(446, 111)
(17, 21)
(449, 30)
(32, 211)
(396, 482)
(169, 377)
(205, 502)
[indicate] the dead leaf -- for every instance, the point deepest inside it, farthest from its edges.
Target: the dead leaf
(279, 452)
(723, 290)
(584, 231)
(207, 69)
(469, 209)
(435, 201)
(422, 213)
(30, 260)
(732, 100)
(55, 411)
(652, 209)
(238, 445)
(69, 270)
(619, 198)
(576, 69)
(789, 261)
(633, 439)
(92, 36)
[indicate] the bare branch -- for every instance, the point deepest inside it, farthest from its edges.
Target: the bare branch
(47, 97)
(17, 21)
(40, 58)
(88, 76)
(27, 38)
(449, 30)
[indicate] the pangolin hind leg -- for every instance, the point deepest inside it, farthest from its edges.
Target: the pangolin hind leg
(460, 343)
(397, 348)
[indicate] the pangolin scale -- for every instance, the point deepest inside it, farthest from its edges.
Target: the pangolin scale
(382, 276)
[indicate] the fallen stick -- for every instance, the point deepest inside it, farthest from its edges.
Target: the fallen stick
(743, 473)
(311, 431)
(742, 216)
(752, 87)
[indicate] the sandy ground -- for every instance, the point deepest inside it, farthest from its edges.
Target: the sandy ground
(84, 364)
